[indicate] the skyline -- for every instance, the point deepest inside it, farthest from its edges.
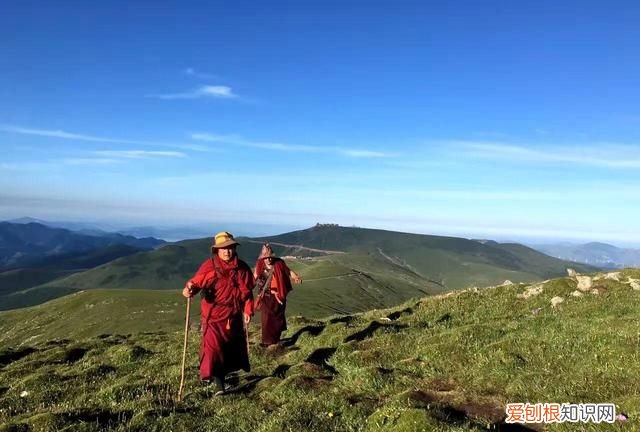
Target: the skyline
(491, 120)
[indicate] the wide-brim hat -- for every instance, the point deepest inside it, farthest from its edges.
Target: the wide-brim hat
(223, 239)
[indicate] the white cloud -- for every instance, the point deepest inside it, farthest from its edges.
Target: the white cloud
(605, 155)
(90, 161)
(49, 133)
(196, 74)
(364, 153)
(62, 134)
(138, 154)
(24, 166)
(109, 157)
(206, 91)
(239, 141)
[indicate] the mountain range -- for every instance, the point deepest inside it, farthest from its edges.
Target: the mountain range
(32, 254)
(344, 269)
(168, 233)
(597, 254)
(27, 244)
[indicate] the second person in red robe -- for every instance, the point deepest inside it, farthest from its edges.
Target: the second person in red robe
(274, 281)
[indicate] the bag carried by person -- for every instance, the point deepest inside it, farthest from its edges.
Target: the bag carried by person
(264, 288)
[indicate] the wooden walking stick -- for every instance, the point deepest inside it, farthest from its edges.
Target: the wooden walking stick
(246, 332)
(184, 351)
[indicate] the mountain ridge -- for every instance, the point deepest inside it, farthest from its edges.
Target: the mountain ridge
(346, 269)
(594, 253)
(21, 243)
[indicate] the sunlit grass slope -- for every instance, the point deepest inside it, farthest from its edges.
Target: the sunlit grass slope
(442, 363)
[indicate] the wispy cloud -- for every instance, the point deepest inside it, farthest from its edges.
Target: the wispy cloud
(89, 161)
(197, 74)
(51, 133)
(110, 157)
(138, 154)
(605, 155)
(363, 153)
(24, 166)
(207, 91)
(277, 146)
(62, 134)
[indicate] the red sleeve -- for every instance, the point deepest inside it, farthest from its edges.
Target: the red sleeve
(259, 267)
(284, 282)
(246, 287)
(204, 276)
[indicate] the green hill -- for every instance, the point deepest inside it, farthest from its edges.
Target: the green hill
(372, 268)
(328, 288)
(456, 262)
(446, 363)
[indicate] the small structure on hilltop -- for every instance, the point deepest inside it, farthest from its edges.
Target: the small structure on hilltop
(329, 225)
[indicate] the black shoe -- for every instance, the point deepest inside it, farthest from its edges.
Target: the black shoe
(220, 387)
(205, 381)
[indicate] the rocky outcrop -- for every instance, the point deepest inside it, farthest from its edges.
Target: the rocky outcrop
(533, 290)
(556, 301)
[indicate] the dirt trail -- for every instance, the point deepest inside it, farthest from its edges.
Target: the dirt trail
(326, 251)
(405, 265)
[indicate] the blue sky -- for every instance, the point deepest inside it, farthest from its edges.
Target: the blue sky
(506, 120)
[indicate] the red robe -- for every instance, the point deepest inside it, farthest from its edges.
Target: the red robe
(227, 294)
(273, 312)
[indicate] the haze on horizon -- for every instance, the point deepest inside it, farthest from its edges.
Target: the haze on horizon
(477, 119)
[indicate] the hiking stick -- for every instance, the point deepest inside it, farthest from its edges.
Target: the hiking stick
(184, 350)
(246, 333)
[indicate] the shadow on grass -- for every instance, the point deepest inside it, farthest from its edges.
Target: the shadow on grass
(281, 371)
(11, 355)
(371, 329)
(395, 315)
(313, 330)
(347, 319)
(320, 356)
(248, 386)
(475, 414)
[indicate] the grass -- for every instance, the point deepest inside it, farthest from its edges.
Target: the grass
(445, 363)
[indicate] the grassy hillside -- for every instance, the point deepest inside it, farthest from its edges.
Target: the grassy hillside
(445, 363)
(454, 262)
(374, 268)
(329, 288)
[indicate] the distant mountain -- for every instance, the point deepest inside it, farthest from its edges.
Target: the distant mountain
(344, 269)
(44, 269)
(594, 253)
(81, 227)
(168, 233)
(454, 262)
(177, 233)
(23, 244)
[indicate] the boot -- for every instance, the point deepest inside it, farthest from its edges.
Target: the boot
(220, 387)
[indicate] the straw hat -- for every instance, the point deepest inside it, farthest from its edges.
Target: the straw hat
(224, 239)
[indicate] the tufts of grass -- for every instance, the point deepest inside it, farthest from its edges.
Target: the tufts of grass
(445, 363)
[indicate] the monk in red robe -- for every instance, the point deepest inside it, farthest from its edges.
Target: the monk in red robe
(225, 283)
(274, 280)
